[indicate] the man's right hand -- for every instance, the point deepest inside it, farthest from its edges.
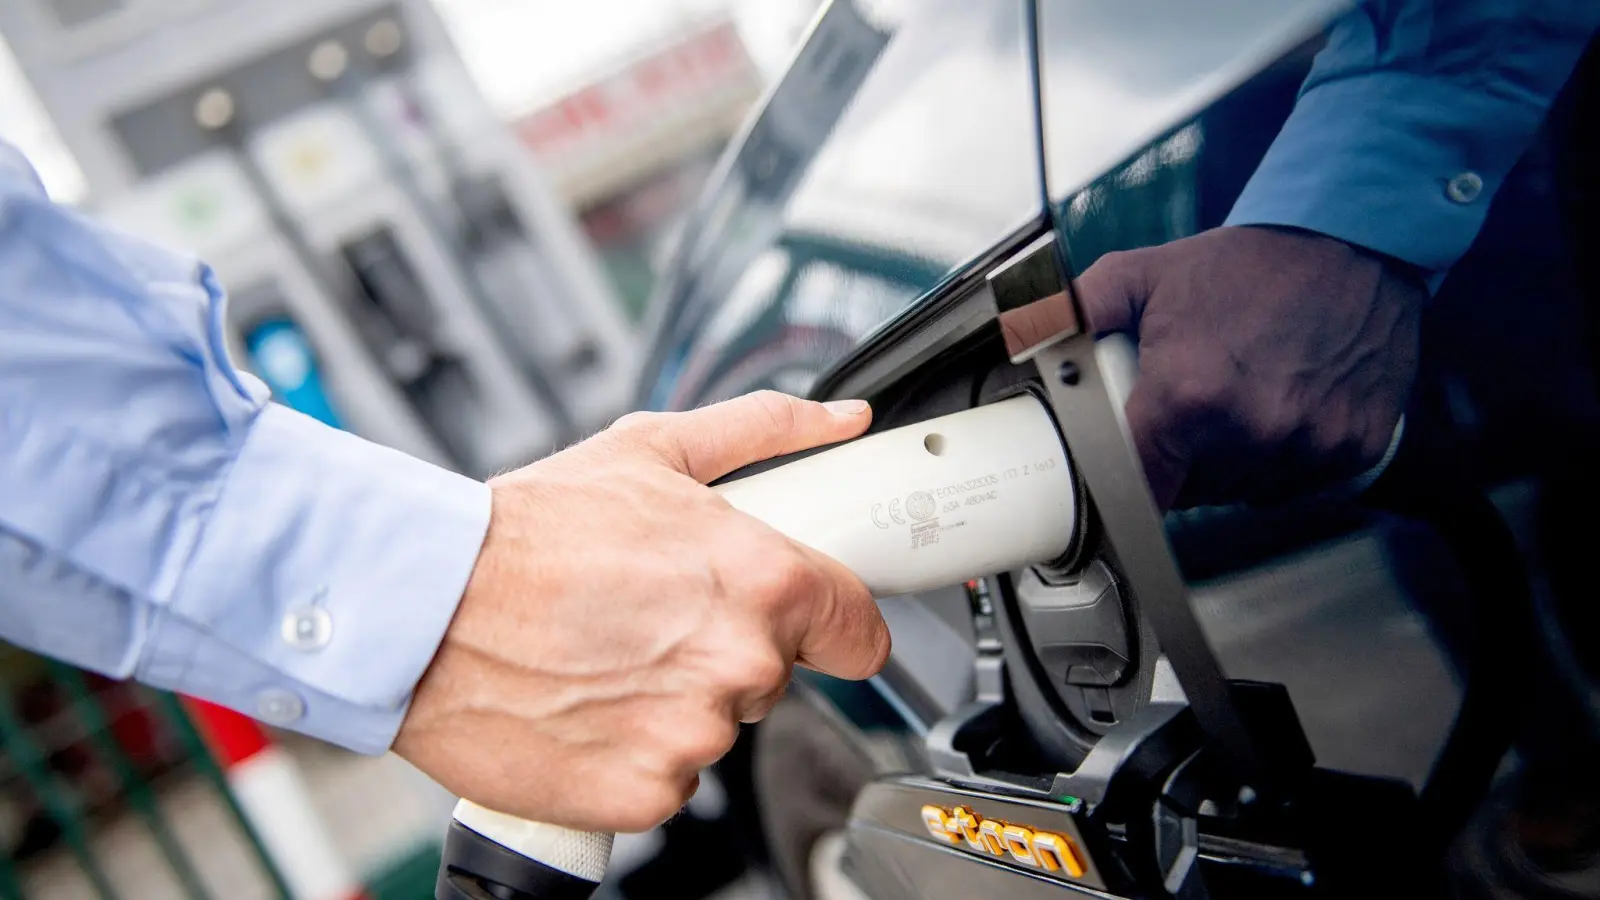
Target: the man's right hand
(622, 619)
(1272, 361)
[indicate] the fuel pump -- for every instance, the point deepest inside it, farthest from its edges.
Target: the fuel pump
(338, 158)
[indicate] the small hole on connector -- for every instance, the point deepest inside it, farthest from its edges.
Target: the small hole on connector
(934, 443)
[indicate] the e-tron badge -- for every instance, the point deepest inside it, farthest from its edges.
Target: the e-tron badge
(1054, 853)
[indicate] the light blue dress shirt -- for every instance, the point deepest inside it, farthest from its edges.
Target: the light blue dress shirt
(1411, 118)
(161, 519)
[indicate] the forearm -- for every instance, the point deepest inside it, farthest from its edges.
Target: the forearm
(160, 519)
(314, 603)
(324, 578)
(1411, 119)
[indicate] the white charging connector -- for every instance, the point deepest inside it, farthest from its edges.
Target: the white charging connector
(928, 505)
(912, 508)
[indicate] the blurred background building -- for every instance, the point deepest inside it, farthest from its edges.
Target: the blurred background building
(439, 224)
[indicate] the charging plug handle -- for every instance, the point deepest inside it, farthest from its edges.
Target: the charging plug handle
(475, 867)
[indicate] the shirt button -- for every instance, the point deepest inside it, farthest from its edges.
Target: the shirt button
(307, 628)
(1464, 188)
(276, 706)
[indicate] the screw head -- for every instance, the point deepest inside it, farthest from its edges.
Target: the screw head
(214, 110)
(1069, 374)
(384, 38)
(328, 61)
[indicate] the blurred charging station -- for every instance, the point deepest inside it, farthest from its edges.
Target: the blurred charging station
(396, 264)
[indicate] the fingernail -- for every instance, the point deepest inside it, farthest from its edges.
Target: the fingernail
(846, 407)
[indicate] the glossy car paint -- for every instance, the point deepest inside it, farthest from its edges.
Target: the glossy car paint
(1156, 111)
(903, 145)
(899, 146)
(899, 153)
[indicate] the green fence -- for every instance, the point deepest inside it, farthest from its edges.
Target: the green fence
(85, 761)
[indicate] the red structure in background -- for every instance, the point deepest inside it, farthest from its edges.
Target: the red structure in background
(630, 150)
(267, 784)
(232, 738)
(681, 73)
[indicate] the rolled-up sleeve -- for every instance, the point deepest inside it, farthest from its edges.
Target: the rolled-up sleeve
(1412, 117)
(160, 518)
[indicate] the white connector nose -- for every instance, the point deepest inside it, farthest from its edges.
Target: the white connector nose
(913, 508)
(928, 505)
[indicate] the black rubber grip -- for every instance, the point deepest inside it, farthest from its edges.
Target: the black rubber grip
(756, 468)
(477, 868)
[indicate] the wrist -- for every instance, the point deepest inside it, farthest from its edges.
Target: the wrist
(1392, 265)
(328, 569)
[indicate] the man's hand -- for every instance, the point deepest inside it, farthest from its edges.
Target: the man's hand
(1271, 361)
(622, 619)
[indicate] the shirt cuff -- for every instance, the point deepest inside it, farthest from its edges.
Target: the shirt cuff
(1405, 165)
(322, 584)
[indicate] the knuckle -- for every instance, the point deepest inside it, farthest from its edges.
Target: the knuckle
(1339, 442)
(1118, 262)
(646, 432)
(1197, 396)
(1275, 425)
(762, 706)
(782, 409)
(655, 801)
(759, 670)
(701, 743)
(638, 423)
(785, 576)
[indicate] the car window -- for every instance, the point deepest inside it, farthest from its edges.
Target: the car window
(899, 146)
(1155, 111)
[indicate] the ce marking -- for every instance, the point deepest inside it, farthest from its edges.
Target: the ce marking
(894, 513)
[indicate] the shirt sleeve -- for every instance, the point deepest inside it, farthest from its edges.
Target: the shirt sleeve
(1411, 118)
(161, 519)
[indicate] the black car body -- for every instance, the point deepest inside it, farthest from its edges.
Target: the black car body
(914, 146)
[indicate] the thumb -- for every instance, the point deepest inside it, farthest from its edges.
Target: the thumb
(709, 442)
(1112, 292)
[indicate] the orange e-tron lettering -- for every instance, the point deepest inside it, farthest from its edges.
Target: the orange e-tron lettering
(939, 825)
(1045, 850)
(967, 824)
(989, 834)
(1055, 852)
(1020, 842)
